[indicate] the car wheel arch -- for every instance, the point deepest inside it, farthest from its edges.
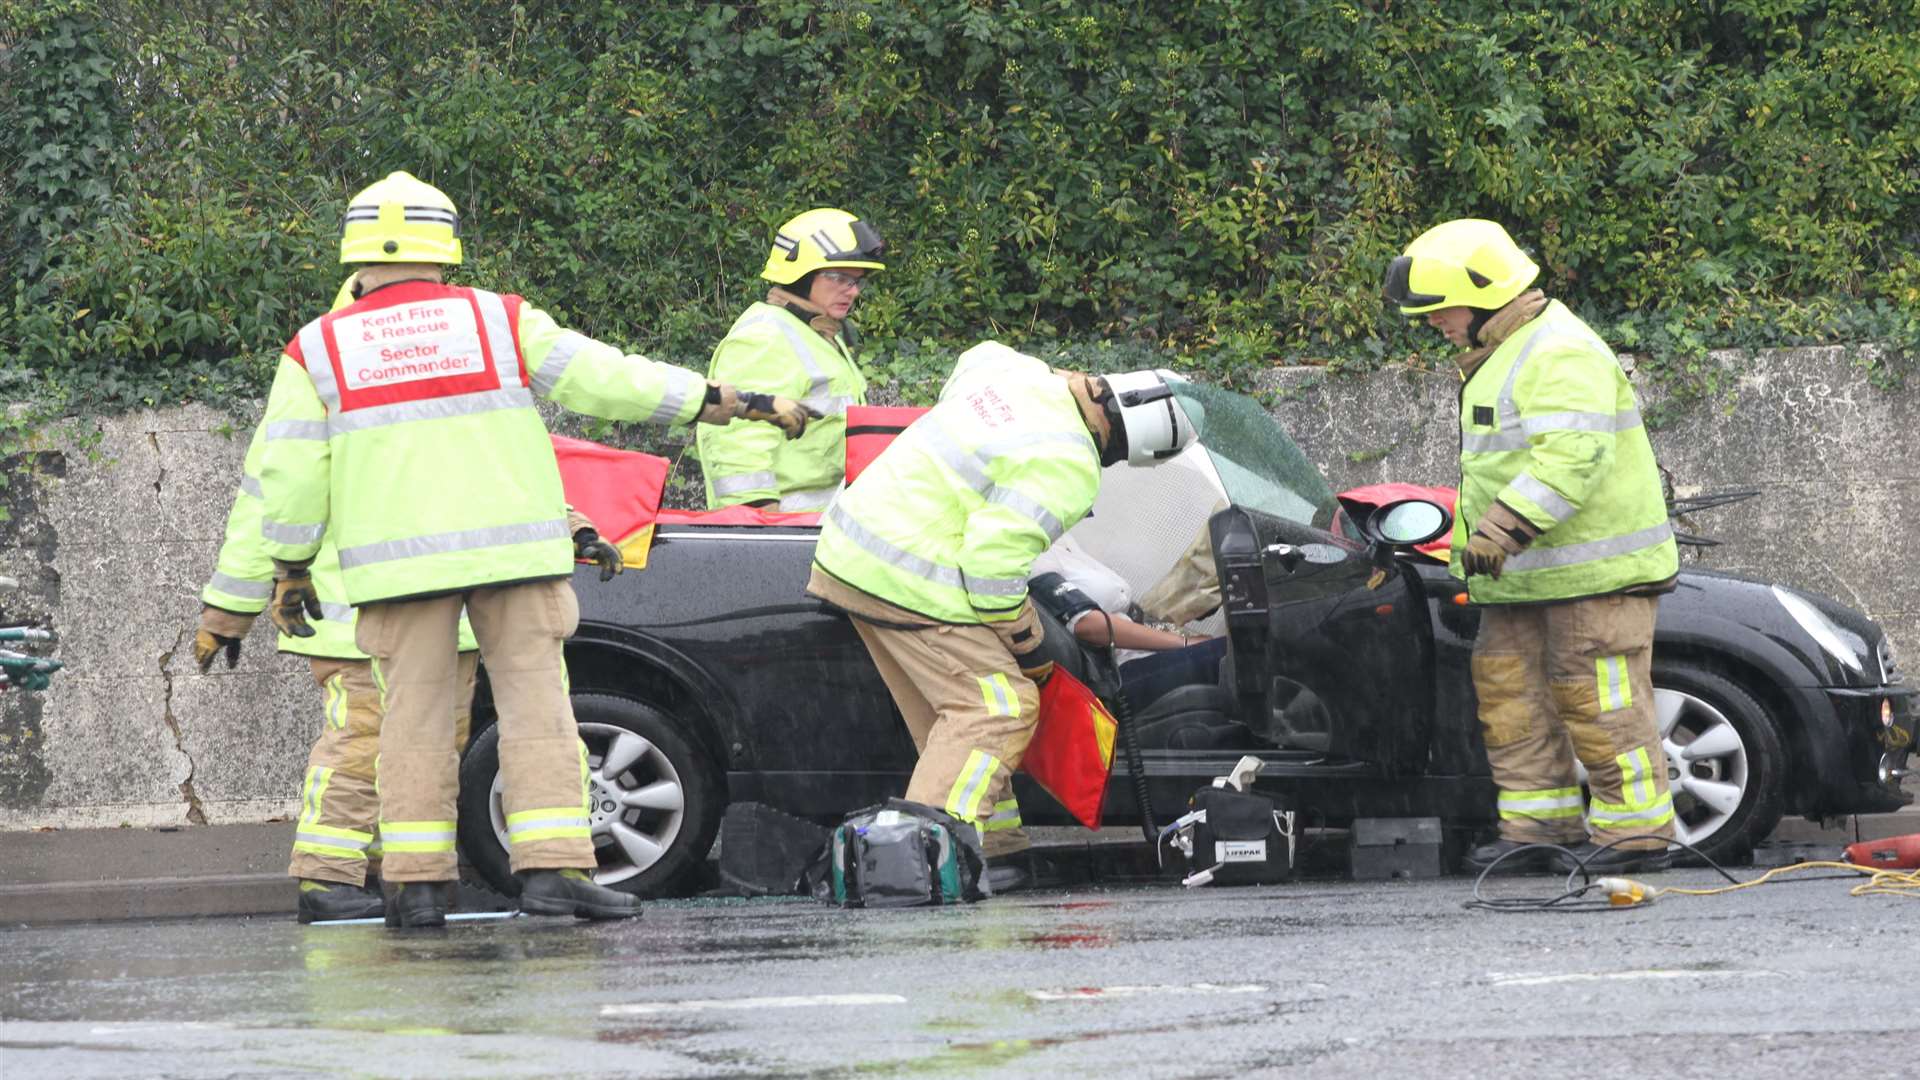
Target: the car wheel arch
(668, 683)
(1805, 721)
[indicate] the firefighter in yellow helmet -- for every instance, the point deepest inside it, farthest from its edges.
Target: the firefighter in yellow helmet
(797, 343)
(1562, 538)
(403, 428)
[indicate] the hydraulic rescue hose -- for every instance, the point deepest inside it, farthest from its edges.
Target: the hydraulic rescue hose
(1129, 738)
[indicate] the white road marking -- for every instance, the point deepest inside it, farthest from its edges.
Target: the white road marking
(1609, 976)
(1098, 993)
(650, 1008)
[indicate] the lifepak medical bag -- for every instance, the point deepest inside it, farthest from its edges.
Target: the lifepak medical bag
(899, 854)
(1232, 836)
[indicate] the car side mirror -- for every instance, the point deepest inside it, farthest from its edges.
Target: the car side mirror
(1407, 523)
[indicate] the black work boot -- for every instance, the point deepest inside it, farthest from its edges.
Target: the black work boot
(572, 892)
(1534, 860)
(1621, 860)
(331, 901)
(1009, 873)
(418, 903)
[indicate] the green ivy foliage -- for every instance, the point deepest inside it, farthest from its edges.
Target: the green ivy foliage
(1216, 183)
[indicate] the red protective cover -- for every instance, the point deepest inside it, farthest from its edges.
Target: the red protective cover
(1382, 494)
(1071, 753)
(737, 515)
(870, 428)
(618, 489)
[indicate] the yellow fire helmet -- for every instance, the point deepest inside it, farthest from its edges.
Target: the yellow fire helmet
(1469, 262)
(401, 219)
(821, 238)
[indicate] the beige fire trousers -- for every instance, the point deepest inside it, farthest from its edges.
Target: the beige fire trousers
(338, 836)
(971, 714)
(1556, 681)
(543, 765)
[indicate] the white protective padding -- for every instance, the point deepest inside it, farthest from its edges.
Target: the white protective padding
(1145, 518)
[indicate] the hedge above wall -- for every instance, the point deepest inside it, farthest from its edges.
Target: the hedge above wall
(1218, 182)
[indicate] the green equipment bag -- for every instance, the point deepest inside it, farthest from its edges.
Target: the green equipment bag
(899, 854)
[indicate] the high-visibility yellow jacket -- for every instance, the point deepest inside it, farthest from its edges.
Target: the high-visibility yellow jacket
(1549, 426)
(242, 579)
(405, 424)
(772, 351)
(947, 520)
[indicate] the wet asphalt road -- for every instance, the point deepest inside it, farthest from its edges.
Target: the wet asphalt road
(1331, 979)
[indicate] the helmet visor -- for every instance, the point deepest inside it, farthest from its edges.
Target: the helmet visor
(1398, 291)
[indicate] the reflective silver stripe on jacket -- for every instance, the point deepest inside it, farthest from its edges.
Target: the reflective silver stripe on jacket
(1539, 558)
(1514, 431)
(499, 332)
(319, 364)
(725, 486)
(819, 396)
(972, 467)
(1581, 421)
(1542, 496)
(438, 408)
(806, 502)
(556, 361)
(302, 430)
(336, 612)
(281, 533)
(246, 590)
(250, 484)
(443, 543)
(682, 386)
(907, 562)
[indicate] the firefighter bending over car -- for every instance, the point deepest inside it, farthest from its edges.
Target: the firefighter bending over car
(798, 343)
(404, 425)
(930, 549)
(1562, 537)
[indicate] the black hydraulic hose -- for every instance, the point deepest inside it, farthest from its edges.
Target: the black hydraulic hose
(1130, 739)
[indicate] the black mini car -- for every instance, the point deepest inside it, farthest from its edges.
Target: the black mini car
(710, 676)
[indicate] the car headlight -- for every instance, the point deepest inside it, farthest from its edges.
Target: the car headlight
(1841, 644)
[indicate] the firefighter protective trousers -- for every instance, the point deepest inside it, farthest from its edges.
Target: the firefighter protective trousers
(971, 714)
(338, 836)
(1556, 681)
(543, 764)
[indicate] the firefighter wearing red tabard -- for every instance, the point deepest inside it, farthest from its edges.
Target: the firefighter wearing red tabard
(404, 425)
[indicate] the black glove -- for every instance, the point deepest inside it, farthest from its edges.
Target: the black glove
(786, 414)
(588, 545)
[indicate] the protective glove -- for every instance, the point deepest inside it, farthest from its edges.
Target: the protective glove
(588, 545)
(1023, 635)
(1498, 534)
(219, 629)
(784, 413)
(293, 595)
(722, 403)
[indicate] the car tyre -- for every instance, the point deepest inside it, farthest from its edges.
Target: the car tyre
(657, 797)
(1726, 765)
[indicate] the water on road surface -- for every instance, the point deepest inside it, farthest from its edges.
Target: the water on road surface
(1362, 980)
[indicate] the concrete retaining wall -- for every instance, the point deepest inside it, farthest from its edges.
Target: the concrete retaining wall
(114, 525)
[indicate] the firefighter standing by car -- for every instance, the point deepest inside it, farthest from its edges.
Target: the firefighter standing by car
(336, 847)
(930, 549)
(1562, 537)
(404, 424)
(797, 343)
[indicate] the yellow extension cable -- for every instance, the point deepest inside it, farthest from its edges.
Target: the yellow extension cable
(1879, 882)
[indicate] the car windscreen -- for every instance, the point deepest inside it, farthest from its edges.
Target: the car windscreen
(1257, 462)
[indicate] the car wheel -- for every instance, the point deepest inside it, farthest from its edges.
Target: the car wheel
(1725, 765)
(656, 799)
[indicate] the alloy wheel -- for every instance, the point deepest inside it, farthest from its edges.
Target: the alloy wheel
(637, 801)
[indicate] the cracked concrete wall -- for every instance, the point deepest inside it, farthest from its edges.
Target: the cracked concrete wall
(113, 528)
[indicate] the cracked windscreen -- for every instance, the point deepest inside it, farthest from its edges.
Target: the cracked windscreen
(1258, 463)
